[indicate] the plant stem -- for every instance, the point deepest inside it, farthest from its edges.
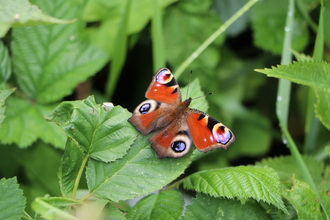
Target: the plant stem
(76, 183)
(158, 47)
(214, 36)
(174, 185)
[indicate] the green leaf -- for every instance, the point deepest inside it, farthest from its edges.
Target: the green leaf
(207, 207)
(5, 63)
(69, 168)
(163, 205)
(304, 200)
(48, 207)
(140, 172)
(40, 164)
(113, 213)
(310, 73)
(259, 183)
(24, 124)
(195, 92)
(266, 20)
(322, 107)
(3, 96)
(281, 164)
(17, 13)
(109, 14)
(105, 136)
(12, 201)
(50, 60)
(193, 32)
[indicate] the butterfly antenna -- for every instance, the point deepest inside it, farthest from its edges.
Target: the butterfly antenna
(189, 84)
(210, 93)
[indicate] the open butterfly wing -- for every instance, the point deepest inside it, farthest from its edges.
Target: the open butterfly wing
(164, 87)
(208, 133)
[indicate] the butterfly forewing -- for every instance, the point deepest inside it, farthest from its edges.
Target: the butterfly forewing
(164, 87)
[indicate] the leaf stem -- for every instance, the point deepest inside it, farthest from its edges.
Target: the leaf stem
(86, 197)
(174, 185)
(76, 184)
(214, 36)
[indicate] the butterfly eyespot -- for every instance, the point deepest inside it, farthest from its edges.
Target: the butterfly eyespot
(221, 135)
(178, 146)
(144, 109)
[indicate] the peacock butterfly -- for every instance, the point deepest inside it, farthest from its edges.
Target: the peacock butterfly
(174, 123)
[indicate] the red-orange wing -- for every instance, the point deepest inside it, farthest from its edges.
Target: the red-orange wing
(164, 87)
(208, 133)
(171, 141)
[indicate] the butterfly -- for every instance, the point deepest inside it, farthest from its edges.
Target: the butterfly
(175, 124)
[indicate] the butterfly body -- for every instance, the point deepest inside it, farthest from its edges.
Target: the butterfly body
(174, 123)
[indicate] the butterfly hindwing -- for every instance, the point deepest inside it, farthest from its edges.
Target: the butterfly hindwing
(208, 133)
(172, 141)
(150, 115)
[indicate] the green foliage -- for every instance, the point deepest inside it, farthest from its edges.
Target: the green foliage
(5, 66)
(49, 207)
(140, 172)
(12, 201)
(83, 160)
(281, 164)
(265, 20)
(206, 207)
(303, 198)
(242, 182)
(25, 127)
(19, 13)
(163, 205)
(3, 96)
(311, 73)
(38, 51)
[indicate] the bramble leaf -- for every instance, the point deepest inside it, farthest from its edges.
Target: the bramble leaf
(163, 205)
(18, 13)
(105, 136)
(281, 164)
(259, 183)
(69, 167)
(50, 60)
(304, 200)
(24, 124)
(12, 201)
(3, 96)
(207, 207)
(140, 172)
(310, 73)
(5, 63)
